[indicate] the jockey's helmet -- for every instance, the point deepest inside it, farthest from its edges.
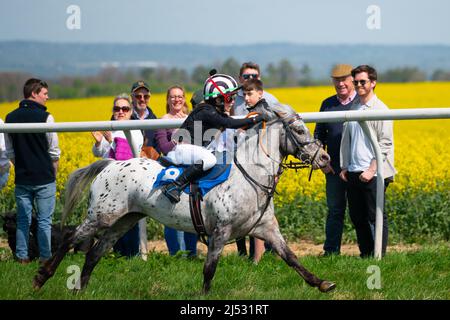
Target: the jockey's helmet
(219, 86)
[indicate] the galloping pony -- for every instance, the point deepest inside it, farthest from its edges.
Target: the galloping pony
(122, 192)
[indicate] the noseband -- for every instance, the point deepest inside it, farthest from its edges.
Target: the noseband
(305, 162)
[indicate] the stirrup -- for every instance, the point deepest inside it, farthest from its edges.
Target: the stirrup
(172, 192)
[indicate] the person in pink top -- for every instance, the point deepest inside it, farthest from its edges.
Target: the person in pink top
(114, 145)
(176, 108)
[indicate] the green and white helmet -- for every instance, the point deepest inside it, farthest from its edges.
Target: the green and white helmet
(219, 85)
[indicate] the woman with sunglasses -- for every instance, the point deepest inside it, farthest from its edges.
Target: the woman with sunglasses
(176, 108)
(204, 123)
(114, 145)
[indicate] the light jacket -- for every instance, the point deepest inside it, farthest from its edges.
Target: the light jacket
(382, 130)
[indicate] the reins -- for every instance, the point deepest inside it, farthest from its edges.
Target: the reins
(269, 190)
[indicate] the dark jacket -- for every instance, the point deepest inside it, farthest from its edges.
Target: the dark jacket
(33, 165)
(149, 135)
(330, 134)
(207, 117)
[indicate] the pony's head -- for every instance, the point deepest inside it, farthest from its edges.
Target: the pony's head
(295, 138)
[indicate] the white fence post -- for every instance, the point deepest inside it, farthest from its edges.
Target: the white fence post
(380, 190)
(143, 237)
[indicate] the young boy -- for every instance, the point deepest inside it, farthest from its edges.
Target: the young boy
(253, 97)
(253, 94)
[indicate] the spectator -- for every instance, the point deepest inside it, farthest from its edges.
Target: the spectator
(176, 108)
(249, 70)
(330, 135)
(140, 95)
(358, 163)
(196, 98)
(115, 145)
(4, 161)
(35, 157)
(253, 97)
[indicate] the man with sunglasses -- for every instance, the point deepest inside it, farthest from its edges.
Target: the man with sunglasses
(140, 96)
(359, 165)
(249, 70)
(330, 135)
(203, 124)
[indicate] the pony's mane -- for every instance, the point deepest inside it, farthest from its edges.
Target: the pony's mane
(282, 110)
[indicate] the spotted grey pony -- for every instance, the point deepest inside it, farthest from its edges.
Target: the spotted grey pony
(121, 193)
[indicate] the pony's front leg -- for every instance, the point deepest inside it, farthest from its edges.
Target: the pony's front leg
(271, 233)
(215, 247)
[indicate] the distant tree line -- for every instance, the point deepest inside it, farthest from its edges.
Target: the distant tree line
(111, 81)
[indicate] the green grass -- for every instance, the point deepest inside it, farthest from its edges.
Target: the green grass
(423, 274)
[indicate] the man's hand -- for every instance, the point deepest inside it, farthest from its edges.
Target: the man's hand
(55, 164)
(367, 175)
(343, 175)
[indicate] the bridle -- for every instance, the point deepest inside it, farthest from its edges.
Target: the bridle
(304, 162)
(270, 190)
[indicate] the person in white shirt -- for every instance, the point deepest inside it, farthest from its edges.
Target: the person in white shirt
(359, 165)
(4, 161)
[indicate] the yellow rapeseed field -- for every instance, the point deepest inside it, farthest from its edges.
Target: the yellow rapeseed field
(421, 155)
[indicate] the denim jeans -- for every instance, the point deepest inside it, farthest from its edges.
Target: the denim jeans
(336, 190)
(42, 197)
(179, 240)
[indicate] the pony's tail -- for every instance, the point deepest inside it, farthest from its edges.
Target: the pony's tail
(77, 182)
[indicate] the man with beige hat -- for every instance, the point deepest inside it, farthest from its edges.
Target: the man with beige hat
(330, 135)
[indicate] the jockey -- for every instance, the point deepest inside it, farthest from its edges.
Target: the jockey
(217, 90)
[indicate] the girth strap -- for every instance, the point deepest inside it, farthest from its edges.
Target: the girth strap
(195, 209)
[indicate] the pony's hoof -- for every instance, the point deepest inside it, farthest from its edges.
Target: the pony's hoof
(326, 286)
(37, 285)
(205, 290)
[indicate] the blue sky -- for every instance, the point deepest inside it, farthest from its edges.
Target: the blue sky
(228, 22)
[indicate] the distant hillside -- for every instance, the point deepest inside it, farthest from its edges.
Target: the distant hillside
(56, 59)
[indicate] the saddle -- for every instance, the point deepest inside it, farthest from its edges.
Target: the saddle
(196, 190)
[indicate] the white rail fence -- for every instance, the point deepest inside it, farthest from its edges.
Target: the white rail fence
(338, 116)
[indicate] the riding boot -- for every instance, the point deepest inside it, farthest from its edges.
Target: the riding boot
(174, 189)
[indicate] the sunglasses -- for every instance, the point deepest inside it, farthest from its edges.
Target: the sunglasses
(362, 82)
(123, 109)
(142, 96)
(247, 76)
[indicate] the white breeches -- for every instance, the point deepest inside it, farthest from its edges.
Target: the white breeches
(192, 154)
